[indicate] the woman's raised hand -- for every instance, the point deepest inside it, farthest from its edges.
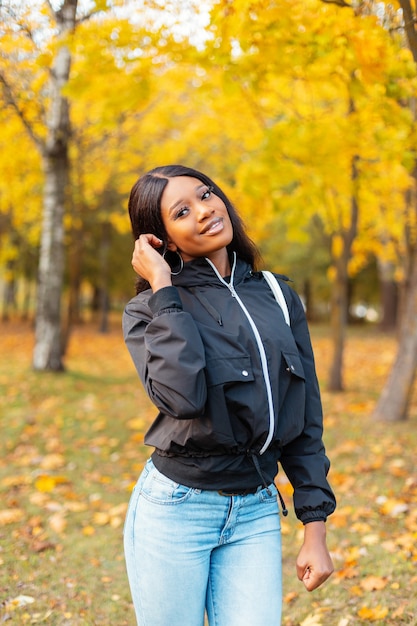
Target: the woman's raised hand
(149, 263)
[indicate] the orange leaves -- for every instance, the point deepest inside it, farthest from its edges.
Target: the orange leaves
(392, 506)
(373, 614)
(10, 516)
(112, 517)
(57, 522)
(136, 423)
(373, 583)
(52, 461)
(66, 472)
(47, 483)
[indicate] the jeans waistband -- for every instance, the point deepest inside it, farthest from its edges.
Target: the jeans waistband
(239, 492)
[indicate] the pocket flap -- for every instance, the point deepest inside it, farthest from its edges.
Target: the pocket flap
(238, 369)
(293, 364)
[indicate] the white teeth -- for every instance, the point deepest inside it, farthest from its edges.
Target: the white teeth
(216, 225)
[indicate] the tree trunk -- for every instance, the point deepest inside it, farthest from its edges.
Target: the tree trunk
(410, 26)
(9, 291)
(396, 394)
(26, 300)
(75, 261)
(340, 289)
(389, 296)
(104, 274)
(48, 351)
(74, 266)
(395, 397)
(338, 322)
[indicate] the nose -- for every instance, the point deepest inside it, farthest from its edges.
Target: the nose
(204, 211)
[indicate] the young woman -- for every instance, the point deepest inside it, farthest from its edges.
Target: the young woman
(236, 392)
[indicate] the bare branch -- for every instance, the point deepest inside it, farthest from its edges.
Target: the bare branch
(11, 100)
(340, 3)
(88, 16)
(409, 21)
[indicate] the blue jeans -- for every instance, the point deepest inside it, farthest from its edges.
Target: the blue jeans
(189, 551)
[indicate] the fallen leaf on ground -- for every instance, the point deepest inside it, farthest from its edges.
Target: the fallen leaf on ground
(45, 483)
(311, 620)
(15, 603)
(52, 461)
(373, 614)
(10, 516)
(58, 523)
(290, 597)
(373, 583)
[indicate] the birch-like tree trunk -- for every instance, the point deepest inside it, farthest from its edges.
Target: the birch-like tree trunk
(48, 351)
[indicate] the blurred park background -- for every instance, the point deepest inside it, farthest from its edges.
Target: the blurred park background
(305, 113)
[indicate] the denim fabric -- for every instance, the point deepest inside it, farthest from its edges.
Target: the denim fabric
(190, 551)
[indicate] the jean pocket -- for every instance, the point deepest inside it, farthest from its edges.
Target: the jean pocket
(269, 494)
(148, 467)
(160, 489)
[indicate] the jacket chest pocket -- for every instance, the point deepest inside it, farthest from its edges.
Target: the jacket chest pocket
(291, 378)
(229, 370)
(291, 409)
(292, 364)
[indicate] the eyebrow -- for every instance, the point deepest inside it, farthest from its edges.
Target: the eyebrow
(181, 200)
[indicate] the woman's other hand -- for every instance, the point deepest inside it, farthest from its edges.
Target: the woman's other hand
(314, 564)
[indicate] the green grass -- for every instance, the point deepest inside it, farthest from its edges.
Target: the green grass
(72, 447)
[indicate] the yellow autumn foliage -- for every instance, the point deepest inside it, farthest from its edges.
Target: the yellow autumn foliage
(274, 100)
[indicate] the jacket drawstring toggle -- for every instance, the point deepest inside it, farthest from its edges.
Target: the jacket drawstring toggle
(264, 483)
(283, 507)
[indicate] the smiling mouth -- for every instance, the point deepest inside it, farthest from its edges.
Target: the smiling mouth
(214, 226)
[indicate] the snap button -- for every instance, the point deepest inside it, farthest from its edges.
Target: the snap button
(245, 373)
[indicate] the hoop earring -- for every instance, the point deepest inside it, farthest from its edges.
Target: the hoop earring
(181, 265)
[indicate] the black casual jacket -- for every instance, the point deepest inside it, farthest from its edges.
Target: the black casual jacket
(235, 386)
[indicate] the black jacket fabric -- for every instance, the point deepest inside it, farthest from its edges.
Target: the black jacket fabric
(219, 426)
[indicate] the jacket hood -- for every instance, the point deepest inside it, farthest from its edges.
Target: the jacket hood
(199, 272)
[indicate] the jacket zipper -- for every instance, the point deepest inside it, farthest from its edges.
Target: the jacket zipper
(261, 350)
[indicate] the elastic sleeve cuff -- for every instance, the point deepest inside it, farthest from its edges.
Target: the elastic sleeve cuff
(313, 516)
(315, 519)
(165, 298)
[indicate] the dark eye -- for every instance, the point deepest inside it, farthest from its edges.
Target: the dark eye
(207, 193)
(181, 212)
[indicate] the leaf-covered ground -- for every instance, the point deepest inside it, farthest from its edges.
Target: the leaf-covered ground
(71, 448)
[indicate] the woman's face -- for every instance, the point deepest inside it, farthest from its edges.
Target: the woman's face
(196, 220)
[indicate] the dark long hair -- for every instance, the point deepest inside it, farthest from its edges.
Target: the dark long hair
(145, 211)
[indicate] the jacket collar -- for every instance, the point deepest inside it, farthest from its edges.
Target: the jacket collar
(199, 273)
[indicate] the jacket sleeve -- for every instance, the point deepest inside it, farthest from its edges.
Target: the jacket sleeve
(168, 352)
(304, 459)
